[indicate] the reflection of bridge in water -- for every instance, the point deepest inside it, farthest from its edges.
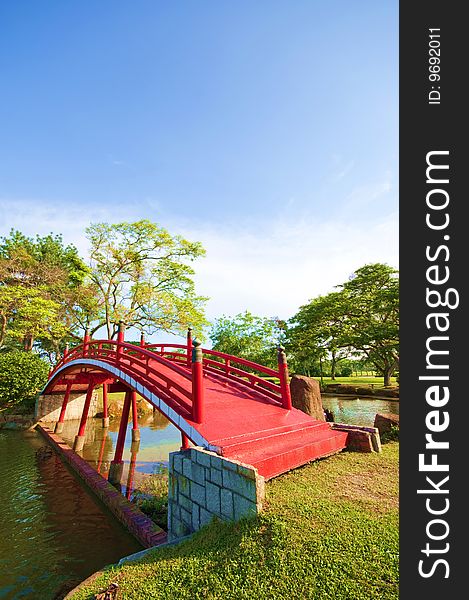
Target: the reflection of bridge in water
(223, 403)
(159, 437)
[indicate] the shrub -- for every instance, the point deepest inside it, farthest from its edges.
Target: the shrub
(22, 376)
(390, 436)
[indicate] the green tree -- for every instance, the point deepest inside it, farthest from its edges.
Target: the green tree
(361, 320)
(22, 376)
(247, 336)
(372, 324)
(40, 280)
(142, 276)
(317, 332)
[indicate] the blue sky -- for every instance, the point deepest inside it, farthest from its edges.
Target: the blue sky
(268, 130)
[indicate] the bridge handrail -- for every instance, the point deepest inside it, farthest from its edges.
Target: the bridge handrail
(241, 361)
(78, 351)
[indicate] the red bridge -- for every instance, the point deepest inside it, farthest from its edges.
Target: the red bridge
(220, 402)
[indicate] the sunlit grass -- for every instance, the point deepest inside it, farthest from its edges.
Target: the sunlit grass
(329, 532)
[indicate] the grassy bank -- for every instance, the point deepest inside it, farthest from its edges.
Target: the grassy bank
(329, 531)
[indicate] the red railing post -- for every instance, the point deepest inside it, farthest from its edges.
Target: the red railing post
(189, 346)
(60, 423)
(80, 437)
(197, 383)
(117, 464)
(86, 342)
(142, 340)
(284, 379)
(120, 339)
(105, 406)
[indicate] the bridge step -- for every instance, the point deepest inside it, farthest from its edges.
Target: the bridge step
(237, 443)
(290, 450)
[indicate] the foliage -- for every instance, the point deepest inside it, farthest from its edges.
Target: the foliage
(247, 336)
(390, 436)
(372, 325)
(40, 280)
(22, 376)
(141, 276)
(151, 497)
(361, 319)
(329, 531)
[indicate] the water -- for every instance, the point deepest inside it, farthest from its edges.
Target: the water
(53, 533)
(158, 437)
(358, 411)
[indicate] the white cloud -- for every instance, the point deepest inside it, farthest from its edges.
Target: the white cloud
(274, 271)
(269, 267)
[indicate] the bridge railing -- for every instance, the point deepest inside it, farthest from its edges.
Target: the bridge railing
(140, 362)
(188, 392)
(230, 367)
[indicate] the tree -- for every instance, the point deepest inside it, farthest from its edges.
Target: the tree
(40, 280)
(372, 324)
(141, 276)
(22, 376)
(360, 319)
(317, 331)
(247, 336)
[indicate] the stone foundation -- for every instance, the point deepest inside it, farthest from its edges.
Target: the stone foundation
(48, 406)
(203, 486)
(360, 439)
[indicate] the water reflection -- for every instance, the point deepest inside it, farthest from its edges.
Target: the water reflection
(53, 533)
(358, 411)
(158, 437)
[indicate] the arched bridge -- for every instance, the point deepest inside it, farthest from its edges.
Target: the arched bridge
(224, 403)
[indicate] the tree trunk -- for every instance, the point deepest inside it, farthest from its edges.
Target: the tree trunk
(333, 366)
(387, 373)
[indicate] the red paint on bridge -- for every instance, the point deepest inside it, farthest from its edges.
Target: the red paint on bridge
(226, 400)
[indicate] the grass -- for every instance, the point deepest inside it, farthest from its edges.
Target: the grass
(375, 381)
(329, 532)
(151, 497)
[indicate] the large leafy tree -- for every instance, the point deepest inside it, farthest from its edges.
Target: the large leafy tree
(317, 332)
(372, 324)
(142, 275)
(247, 336)
(361, 319)
(40, 282)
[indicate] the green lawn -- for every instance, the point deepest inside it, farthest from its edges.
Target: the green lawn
(329, 531)
(376, 381)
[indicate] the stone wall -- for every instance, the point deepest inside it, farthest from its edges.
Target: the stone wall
(48, 406)
(139, 525)
(203, 485)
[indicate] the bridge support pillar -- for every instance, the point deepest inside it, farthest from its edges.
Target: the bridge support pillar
(131, 475)
(60, 423)
(105, 406)
(80, 437)
(117, 464)
(135, 429)
(184, 441)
